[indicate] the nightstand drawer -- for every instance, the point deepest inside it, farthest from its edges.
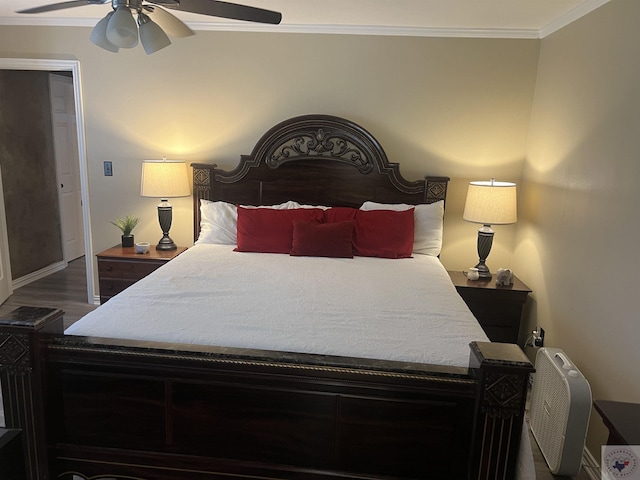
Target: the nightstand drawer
(126, 270)
(503, 296)
(112, 286)
(495, 314)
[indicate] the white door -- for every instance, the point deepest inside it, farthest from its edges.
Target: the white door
(65, 141)
(5, 266)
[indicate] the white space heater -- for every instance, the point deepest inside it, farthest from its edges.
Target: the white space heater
(559, 411)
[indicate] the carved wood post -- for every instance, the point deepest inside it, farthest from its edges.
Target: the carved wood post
(21, 335)
(435, 189)
(502, 370)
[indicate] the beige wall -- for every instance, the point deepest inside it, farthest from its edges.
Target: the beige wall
(457, 107)
(577, 241)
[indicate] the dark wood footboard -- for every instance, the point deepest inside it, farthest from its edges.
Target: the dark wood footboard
(125, 409)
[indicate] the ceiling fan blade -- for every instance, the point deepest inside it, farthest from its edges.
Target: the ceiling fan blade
(168, 22)
(216, 8)
(62, 5)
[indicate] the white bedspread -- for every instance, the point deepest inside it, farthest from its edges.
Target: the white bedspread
(405, 310)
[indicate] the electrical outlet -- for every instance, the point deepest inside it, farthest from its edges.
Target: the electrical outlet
(538, 337)
(108, 169)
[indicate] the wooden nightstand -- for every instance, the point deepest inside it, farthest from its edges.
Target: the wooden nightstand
(119, 267)
(622, 419)
(498, 309)
(11, 455)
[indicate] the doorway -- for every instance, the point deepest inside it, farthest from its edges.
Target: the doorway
(70, 68)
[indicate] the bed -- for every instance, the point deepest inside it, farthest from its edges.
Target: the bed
(144, 388)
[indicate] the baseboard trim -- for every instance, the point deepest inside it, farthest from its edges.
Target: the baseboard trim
(37, 275)
(590, 465)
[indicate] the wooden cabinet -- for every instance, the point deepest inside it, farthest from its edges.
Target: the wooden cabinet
(497, 308)
(120, 267)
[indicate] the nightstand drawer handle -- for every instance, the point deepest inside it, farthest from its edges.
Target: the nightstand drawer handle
(108, 268)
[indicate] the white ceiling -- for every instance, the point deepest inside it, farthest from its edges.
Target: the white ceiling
(445, 18)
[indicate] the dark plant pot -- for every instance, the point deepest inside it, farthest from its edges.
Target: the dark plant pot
(127, 241)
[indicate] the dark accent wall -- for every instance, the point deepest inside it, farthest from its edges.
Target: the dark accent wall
(29, 171)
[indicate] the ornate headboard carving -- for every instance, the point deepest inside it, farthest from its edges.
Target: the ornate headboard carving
(313, 159)
(320, 143)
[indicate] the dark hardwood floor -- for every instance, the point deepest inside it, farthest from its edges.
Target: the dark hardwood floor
(67, 290)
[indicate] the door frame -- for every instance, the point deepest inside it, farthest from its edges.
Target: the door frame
(5, 263)
(72, 66)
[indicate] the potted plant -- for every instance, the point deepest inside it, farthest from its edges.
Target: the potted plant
(126, 225)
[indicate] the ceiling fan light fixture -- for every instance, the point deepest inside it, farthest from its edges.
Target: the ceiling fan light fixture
(99, 35)
(122, 30)
(119, 29)
(152, 36)
(171, 24)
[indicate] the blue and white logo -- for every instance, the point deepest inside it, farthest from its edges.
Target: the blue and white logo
(620, 462)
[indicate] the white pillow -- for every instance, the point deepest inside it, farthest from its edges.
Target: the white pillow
(427, 238)
(321, 207)
(219, 221)
(282, 206)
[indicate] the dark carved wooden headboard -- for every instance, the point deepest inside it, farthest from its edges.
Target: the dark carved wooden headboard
(314, 160)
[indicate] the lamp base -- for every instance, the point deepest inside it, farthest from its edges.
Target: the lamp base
(485, 240)
(165, 214)
(483, 271)
(166, 243)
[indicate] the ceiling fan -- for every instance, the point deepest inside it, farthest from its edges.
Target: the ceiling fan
(119, 29)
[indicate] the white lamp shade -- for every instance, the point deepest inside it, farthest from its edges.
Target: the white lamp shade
(99, 35)
(168, 22)
(491, 203)
(164, 179)
(122, 30)
(151, 35)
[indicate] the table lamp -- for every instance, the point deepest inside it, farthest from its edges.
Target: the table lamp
(489, 203)
(164, 179)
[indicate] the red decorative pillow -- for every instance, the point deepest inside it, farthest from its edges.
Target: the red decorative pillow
(267, 230)
(323, 240)
(384, 233)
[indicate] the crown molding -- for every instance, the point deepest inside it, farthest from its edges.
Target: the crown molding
(571, 16)
(373, 30)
